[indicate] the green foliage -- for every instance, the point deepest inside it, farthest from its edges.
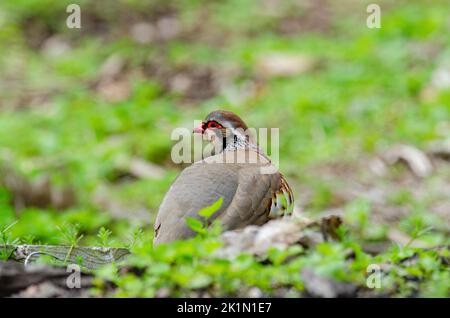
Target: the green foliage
(70, 235)
(201, 227)
(207, 212)
(136, 237)
(196, 225)
(418, 276)
(6, 239)
(357, 216)
(104, 237)
(194, 267)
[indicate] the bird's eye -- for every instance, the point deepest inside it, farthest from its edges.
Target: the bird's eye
(214, 124)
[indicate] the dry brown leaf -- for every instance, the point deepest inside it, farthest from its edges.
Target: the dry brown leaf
(144, 169)
(284, 65)
(414, 158)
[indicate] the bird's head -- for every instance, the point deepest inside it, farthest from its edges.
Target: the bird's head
(226, 128)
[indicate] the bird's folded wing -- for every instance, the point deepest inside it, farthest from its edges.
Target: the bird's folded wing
(259, 197)
(198, 186)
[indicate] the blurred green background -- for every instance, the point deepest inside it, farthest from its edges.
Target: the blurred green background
(86, 114)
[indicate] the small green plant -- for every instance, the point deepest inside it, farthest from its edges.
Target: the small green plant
(104, 236)
(6, 240)
(136, 237)
(418, 232)
(71, 236)
(201, 227)
(29, 239)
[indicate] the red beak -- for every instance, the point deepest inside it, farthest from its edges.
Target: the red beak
(199, 129)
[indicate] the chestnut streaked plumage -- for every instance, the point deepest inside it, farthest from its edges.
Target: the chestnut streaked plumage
(250, 197)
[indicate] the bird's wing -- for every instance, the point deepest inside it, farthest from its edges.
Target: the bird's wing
(198, 186)
(259, 197)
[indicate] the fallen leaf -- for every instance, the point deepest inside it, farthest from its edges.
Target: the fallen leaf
(144, 169)
(284, 65)
(414, 158)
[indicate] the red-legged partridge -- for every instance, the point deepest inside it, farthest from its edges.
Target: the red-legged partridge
(238, 173)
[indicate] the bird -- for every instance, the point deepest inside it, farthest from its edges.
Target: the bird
(238, 172)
